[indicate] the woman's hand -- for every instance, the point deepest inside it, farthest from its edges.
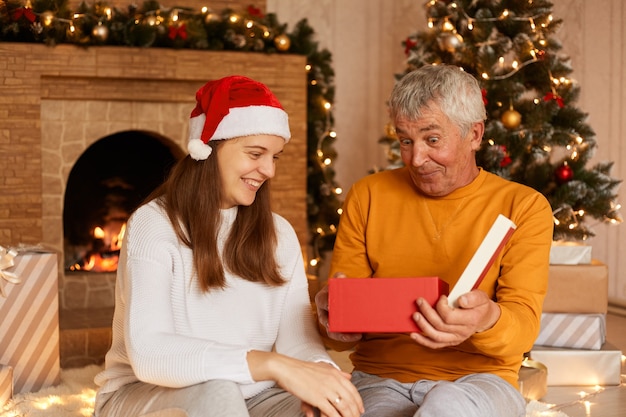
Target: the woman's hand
(321, 304)
(318, 385)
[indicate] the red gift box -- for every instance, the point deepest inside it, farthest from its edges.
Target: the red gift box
(379, 305)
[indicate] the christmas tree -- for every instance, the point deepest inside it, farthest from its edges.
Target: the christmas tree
(534, 133)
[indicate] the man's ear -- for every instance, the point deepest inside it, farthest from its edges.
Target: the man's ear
(475, 135)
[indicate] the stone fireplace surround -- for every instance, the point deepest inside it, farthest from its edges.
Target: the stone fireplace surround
(57, 101)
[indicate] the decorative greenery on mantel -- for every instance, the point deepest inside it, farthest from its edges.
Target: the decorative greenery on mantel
(151, 26)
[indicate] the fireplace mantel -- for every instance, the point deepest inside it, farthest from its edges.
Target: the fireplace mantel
(56, 101)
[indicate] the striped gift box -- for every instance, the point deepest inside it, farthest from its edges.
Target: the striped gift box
(29, 328)
(576, 331)
(6, 384)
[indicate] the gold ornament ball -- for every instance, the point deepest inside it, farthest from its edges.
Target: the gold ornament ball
(449, 41)
(511, 119)
(100, 33)
(211, 17)
(390, 131)
(151, 20)
(46, 18)
(282, 42)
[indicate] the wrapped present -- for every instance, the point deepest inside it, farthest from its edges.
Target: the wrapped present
(6, 384)
(580, 366)
(577, 331)
(533, 379)
(578, 289)
(569, 253)
(379, 304)
(30, 320)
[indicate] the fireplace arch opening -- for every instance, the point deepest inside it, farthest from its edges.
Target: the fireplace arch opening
(107, 183)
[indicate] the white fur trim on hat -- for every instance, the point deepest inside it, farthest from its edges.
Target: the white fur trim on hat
(253, 120)
(240, 121)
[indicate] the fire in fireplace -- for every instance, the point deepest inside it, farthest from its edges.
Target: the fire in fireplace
(110, 180)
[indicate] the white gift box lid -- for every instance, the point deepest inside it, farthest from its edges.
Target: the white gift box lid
(569, 253)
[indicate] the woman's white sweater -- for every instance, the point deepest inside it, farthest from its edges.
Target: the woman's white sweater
(167, 332)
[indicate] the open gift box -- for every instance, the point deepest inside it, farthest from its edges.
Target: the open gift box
(379, 305)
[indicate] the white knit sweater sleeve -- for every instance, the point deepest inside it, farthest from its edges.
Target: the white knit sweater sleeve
(298, 335)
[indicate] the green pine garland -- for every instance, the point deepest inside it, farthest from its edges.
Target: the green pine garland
(52, 22)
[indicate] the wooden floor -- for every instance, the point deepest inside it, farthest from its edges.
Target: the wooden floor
(608, 402)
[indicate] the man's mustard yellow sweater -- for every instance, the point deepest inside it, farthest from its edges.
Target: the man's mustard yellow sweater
(389, 229)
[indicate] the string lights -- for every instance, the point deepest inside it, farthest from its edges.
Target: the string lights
(328, 187)
(584, 399)
(248, 31)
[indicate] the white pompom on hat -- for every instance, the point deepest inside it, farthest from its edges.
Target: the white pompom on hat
(232, 107)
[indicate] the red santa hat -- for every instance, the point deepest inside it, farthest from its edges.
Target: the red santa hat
(231, 107)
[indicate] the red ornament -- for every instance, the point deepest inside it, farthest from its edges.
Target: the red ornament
(555, 97)
(255, 12)
(506, 158)
(177, 32)
(25, 12)
(408, 45)
(564, 174)
(484, 92)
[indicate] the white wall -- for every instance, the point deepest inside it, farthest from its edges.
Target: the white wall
(365, 39)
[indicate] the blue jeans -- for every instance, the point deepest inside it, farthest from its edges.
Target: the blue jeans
(476, 395)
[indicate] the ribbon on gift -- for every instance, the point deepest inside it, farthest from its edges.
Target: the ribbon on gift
(6, 261)
(533, 376)
(530, 363)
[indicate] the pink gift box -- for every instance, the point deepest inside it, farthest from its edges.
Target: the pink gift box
(30, 322)
(6, 384)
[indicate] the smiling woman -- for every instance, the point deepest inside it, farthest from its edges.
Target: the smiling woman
(212, 303)
(246, 163)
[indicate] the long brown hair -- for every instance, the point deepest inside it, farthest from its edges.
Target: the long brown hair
(191, 196)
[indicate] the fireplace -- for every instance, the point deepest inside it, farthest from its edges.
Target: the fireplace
(59, 103)
(107, 183)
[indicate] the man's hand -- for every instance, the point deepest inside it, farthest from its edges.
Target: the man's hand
(444, 326)
(321, 303)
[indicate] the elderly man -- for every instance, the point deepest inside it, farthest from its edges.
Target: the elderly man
(427, 219)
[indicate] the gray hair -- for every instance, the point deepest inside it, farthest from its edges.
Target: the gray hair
(455, 92)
